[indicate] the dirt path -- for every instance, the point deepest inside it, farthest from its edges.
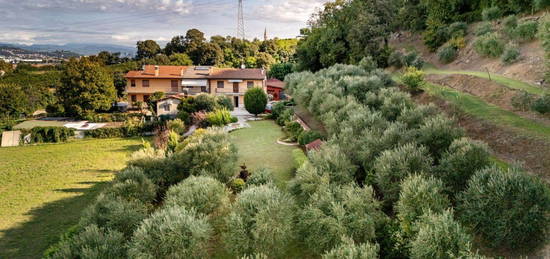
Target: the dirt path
(489, 91)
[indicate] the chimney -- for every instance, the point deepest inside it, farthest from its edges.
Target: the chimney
(182, 72)
(243, 66)
(143, 68)
(157, 70)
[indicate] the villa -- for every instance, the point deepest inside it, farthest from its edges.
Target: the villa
(193, 80)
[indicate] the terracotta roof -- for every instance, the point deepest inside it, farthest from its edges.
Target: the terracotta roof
(237, 73)
(164, 72)
(273, 82)
(315, 145)
(177, 97)
(198, 72)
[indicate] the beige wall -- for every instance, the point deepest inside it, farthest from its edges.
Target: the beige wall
(228, 86)
(173, 107)
(155, 85)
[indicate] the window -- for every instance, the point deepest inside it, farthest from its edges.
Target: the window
(220, 84)
(133, 83)
(145, 83)
(166, 107)
(134, 98)
(174, 85)
(249, 84)
(146, 98)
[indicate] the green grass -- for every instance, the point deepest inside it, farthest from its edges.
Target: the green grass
(505, 81)
(258, 148)
(478, 108)
(44, 189)
(39, 123)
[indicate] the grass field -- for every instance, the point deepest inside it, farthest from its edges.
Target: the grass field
(505, 81)
(44, 189)
(258, 148)
(478, 108)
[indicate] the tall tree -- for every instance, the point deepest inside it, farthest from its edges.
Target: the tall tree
(176, 45)
(13, 102)
(86, 87)
(147, 49)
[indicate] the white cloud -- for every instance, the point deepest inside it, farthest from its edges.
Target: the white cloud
(290, 10)
(22, 37)
(173, 6)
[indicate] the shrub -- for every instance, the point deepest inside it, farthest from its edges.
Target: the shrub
(415, 116)
(307, 181)
(202, 194)
(508, 209)
(542, 104)
(440, 236)
(447, 54)
(540, 4)
(260, 177)
(510, 24)
(396, 59)
(237, 185)
(525, 31)
(50, 134)
(458, 29)
(489, 45)
(114, 213)
(338, 211)
(308, 136)
(92, 242)
(491, 13)
(522, 101)
(463, 158)
(484, 28)
(419, 194)
(170, 233)
(510, 55)
(393, 103)
(413, 59)
(177, 126)
(413, 78)
(285, 117)
(294, 129)
(203, 102)
(261, 220)
(330, 160)
(224, 102)
(220, 117)
(438, 133)
(350, 250)
(436, 34)
(277, 109)
(392, 166)
(209, 153)
(131, 184)
(299, 158)
(255, 100)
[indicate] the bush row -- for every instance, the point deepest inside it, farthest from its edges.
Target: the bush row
(419, 163)
(49, 134)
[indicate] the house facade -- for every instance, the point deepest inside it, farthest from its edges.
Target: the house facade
(193, 80)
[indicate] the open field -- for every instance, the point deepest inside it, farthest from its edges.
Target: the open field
(258, 148)
(45, 188)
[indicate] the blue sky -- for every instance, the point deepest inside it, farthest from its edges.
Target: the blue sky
(126, 21)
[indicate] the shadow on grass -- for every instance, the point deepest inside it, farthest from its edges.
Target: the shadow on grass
(47, 223)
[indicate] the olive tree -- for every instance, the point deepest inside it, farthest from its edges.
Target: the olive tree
(440, 236)
(506, 208)
(132, 184)
(261, 220)
(350, 250)
(394, 165)
(437, 134)
(172, 232)
(419, 194)
(92, 242)
(203, 194)
(336, 211)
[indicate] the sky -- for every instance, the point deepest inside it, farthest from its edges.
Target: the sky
(124, 22)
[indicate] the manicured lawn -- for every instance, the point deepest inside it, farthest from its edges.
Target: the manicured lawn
(39, 123)
(505, 81)
(258, 148)
(43, 189)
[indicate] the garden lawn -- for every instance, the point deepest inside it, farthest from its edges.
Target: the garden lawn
(258, 148)
(44, 189)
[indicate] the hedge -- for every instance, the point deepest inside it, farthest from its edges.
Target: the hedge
(50, 134)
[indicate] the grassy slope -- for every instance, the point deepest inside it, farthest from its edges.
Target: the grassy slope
(505, 81)
(477, 107)
(258, 148)
(45, 188)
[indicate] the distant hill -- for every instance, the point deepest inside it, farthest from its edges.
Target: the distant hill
(80, 48)
(10, 51)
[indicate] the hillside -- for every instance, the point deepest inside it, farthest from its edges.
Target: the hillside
(10, 51)
(80, 48)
